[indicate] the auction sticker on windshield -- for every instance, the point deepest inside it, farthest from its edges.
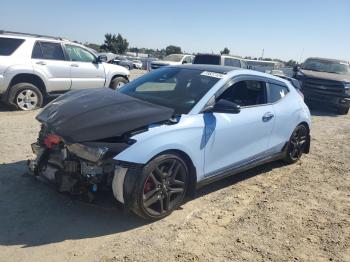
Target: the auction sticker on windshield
(212, 74)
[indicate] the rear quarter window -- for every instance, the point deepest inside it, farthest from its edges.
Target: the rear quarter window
(9, 45)
(277, 92)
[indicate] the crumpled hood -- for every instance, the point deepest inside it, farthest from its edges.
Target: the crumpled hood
(94, 114)
(326, 76)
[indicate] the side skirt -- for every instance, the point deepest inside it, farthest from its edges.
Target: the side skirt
(244, 167)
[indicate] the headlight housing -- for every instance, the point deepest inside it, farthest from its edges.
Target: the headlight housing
(347, 88)
(93, 154)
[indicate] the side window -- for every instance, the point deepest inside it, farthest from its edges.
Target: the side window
(244, 65)
(187, 60)
(9, 45)
(37, 52)
(51, 51)
(277, 92)
(246, 93)
(76, 53)
(232, 62)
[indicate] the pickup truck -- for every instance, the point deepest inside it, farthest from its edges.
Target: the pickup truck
(325, 81)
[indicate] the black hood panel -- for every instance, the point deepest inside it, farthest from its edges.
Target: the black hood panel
(93, 114)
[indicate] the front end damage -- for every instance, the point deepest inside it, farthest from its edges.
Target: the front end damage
(82, 131)
(77, 168)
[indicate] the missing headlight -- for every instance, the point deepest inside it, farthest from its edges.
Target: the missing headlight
(93, 154)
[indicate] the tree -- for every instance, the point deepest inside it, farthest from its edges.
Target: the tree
(121, 44)
(226, 51)
(171, 49)
(115, 44)
(93, 46)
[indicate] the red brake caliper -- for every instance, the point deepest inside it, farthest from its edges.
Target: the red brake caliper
(149, 185)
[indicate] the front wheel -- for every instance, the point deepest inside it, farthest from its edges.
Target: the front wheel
(118, 82)
(343, 110)
(297, 144)
(161, 188)
(26, 96)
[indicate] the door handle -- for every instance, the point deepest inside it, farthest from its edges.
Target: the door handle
(267, 117)
(41, 63)
(74, 65)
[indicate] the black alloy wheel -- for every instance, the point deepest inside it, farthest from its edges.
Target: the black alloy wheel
(162, 188)
(297, 144)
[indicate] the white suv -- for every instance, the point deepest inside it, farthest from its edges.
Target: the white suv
(174, 59)
(33, 67)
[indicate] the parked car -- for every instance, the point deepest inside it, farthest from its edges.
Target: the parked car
(265, 66)
(325, 81)
(174, 59)
(225, 60)
(172, 130)
(137, 64)
(122, 61)
(33, 67)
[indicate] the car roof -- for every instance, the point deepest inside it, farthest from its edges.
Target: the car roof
(204, 67)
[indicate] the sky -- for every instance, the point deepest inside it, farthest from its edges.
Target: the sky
(285, 29)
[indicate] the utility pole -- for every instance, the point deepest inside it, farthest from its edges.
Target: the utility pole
(262, 54)
(301, 55)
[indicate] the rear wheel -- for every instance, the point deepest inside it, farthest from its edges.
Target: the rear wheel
(26, 96)
(118, 82)
(162, 187)
(297, 144)
(343, 110)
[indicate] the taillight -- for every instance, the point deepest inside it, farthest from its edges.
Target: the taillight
(51, 140)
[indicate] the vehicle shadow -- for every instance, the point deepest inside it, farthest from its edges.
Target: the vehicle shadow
(322, 110)
(5, 108)
(34, 214)
(231, 180)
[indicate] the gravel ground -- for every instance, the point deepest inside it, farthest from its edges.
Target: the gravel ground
(276, 212)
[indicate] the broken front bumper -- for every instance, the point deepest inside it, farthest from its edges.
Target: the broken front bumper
(69, 172)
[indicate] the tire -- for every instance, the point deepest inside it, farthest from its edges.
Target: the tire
(118, 82)
(161, 187)
(343, 110)
(25, 96)
(297, 144)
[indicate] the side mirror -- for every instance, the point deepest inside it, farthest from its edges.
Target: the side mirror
(101, 58)
(224, 106)
(184, 62)
(296, 68)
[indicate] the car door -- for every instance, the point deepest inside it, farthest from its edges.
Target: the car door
(286, 108)
(233, 140)
(84, 71)
(49, 61)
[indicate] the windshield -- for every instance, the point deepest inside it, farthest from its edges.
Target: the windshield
(326, 66)
(173, 58)
(207, 59)
(176, 88)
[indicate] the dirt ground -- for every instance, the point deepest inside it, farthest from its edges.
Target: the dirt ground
(276, 212)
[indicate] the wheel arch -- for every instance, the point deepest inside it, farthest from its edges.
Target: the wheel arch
(191, 167)
(117, 75)
(25, 78)
(307, 148)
